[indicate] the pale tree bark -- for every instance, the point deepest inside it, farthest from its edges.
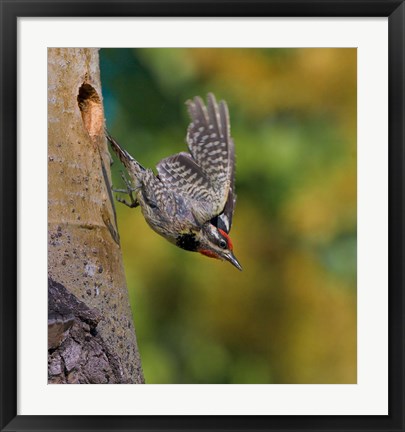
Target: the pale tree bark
(91, 336)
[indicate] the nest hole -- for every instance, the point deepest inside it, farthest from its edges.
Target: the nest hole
(91, 109)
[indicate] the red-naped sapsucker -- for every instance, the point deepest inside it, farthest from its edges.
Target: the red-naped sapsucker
(190, 202)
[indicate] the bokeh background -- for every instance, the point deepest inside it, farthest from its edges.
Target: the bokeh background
(290, 316)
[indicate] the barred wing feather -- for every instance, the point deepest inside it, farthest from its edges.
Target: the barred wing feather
(212, 148)
(206, 176)
(184, 177)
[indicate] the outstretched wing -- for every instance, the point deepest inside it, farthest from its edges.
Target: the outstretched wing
(211, 146)
(206, 177)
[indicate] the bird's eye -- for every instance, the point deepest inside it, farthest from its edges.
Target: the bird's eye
(222, 244)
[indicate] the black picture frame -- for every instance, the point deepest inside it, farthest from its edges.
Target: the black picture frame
(10, 11)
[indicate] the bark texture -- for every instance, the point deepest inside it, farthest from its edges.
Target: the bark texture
(91, 337)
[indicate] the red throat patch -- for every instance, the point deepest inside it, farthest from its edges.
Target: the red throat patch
(208, 253)
(228, 239)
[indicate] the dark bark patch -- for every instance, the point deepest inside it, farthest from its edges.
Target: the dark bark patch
(77, 354)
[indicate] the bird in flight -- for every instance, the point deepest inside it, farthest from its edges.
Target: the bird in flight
(191, 200)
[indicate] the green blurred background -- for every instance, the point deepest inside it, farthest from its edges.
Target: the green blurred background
(290, 316)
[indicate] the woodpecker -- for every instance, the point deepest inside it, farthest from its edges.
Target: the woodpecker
(191, 200)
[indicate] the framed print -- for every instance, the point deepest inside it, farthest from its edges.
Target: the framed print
(254, 279)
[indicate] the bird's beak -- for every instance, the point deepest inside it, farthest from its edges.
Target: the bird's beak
(231, 258)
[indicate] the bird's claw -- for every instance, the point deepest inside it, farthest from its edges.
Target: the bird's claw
(129, 191)
(131, 204)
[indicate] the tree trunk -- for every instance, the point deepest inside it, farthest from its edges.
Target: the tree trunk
(91, 336)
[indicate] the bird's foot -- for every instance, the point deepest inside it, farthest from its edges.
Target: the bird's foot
(129, 191)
